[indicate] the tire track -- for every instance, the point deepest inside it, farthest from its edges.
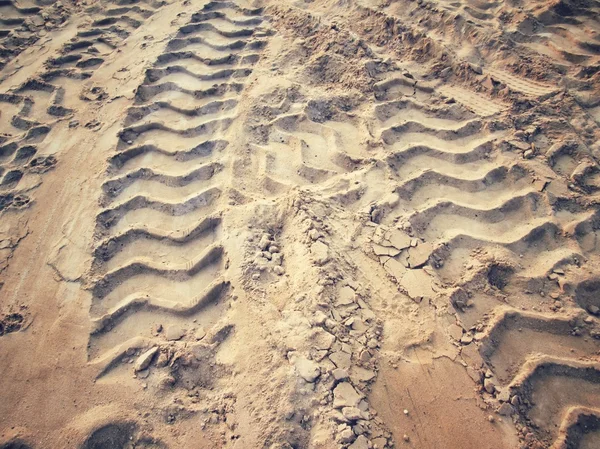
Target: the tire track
(471, 221)
(50, 96)
(159, 259)
(21, 25)
(545, 368)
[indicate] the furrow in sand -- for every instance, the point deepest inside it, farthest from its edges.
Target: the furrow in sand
(149, 268)
(156, 158)
(134, 209)
(161, 234)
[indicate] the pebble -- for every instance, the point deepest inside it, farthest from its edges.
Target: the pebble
(352, 413)
(314, 234)
(319, 318)
(264, 242)
(145, 359)
(320, 252)
(346, 296)
(162, 360)
(406, 438)
(200, 333)
(466, 339)
(360, 443)
(344, 395)
(279, 271)
(346, 435)
(340, 374)
(307, 369)
(341, 359)
(593, 309)
(506, 409)
(174, 333)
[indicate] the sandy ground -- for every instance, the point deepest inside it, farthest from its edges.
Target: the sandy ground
(299, 224)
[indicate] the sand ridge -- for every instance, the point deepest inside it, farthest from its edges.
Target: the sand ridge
(299, 224)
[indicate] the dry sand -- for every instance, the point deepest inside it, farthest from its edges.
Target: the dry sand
(299, 224)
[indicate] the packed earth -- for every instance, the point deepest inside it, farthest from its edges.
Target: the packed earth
(299, 224)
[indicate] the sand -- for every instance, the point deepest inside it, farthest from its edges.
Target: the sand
(361, 224)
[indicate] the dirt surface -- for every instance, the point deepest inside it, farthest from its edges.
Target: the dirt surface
(361, 224)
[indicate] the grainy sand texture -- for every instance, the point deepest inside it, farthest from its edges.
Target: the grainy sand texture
(299, 224)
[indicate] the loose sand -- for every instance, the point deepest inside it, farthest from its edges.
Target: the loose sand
(349, 224)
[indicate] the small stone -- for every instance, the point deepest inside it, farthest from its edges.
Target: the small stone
(476, 68)
(200, 333)
(360, 443)
(320, 252)
(419, 255)
(319, 318)
(593, 309)
(307, 369)
(314, 234)
(346, 435)
(528, 154)
(337, 416)
(505, 409)
(352, 413)
(340, 374)
(406, 438)
(346, 296)
(399, 239)
(379, 443)
(406, 412)
(341, 359)
(344, 395)
(145, 359)
(491, 418)
(455, 331)
(489, 385)
(174, 333)
(360, 374)
(162, 360)
(273, 249)
(279, 271)
(466, 339)
(264, 242)
(515, 400)
(588, 320)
